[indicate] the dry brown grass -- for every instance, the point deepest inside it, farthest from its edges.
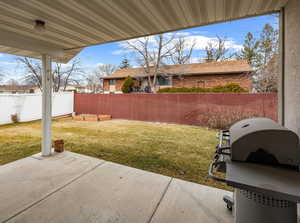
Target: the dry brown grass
(174, 150)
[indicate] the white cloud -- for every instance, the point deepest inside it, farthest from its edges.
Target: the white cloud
(200, 41)
(195, 60)
(199, 32)
(124, 47)
(66, 65)
(9, 63)
(98, 64)
(183, 34)
(119, 52)
(89, 68)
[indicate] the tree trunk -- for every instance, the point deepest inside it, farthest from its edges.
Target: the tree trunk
(153, 89)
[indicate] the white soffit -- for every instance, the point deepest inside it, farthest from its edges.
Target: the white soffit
(74, 24)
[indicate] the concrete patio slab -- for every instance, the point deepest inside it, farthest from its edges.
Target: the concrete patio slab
(190, 202)
(110, 193)
(26, 181)
(70, 188)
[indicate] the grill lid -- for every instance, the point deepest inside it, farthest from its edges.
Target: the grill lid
(262, 140)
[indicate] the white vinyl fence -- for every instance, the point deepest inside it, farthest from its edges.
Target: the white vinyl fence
(28, 107)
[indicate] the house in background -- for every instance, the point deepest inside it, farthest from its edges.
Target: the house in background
(31, 89)
(202, 75)
(78, 88)
(18, 89)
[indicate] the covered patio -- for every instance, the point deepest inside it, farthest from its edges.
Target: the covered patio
(69, 187)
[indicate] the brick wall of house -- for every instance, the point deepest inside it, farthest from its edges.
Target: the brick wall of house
(204, 81)
(208, 81)
(119, 84)
(106, 85)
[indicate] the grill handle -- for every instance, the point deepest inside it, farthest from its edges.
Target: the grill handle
(219, 148)
(211, 171)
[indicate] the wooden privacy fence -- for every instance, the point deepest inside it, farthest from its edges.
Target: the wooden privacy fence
(216, 110)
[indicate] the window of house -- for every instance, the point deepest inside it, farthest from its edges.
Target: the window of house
(201, 84)
(112, 82)
(163, 81)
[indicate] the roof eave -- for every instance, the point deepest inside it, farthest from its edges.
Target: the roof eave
(188, 74)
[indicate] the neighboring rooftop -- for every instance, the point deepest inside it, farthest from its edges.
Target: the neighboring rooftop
(17, 87)
(224, 67)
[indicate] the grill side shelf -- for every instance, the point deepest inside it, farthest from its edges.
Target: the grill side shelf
(272, 181)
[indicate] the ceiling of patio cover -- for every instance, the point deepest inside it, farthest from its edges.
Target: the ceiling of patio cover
(74, 24)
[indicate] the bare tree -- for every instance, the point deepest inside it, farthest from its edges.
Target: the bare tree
(183, 50)
(262, 55)
(94, 80)
(12, 85)
(33, 72)
(216, 50)
(266, 79)
(267, 72)
(62, 75)
(268, 45)
(12, 82)
(105, 69)
(151, 55)
(94, 83)
(2, 75)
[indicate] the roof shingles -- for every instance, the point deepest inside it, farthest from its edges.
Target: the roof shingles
(232, 66)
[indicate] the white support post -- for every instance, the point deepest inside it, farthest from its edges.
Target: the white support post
(46, 105)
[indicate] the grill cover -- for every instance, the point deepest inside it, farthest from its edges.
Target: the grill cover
(263, 140)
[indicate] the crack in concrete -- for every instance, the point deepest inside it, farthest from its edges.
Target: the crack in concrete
(160, 200)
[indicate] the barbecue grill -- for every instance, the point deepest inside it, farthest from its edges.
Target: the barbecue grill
(260, 159)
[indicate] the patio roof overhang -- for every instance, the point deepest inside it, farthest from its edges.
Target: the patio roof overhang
(73, 24)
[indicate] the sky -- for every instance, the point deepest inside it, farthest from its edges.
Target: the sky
(113, 53)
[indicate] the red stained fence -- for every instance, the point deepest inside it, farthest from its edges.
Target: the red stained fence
(214, 110)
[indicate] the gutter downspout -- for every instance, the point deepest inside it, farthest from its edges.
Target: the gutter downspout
(281, 79)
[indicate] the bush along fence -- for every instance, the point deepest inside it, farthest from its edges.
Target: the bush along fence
(214, 110)
(227, 88)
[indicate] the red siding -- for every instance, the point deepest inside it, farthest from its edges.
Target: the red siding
(194, 109)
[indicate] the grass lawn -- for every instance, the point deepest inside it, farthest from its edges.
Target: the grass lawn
(174, 150)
